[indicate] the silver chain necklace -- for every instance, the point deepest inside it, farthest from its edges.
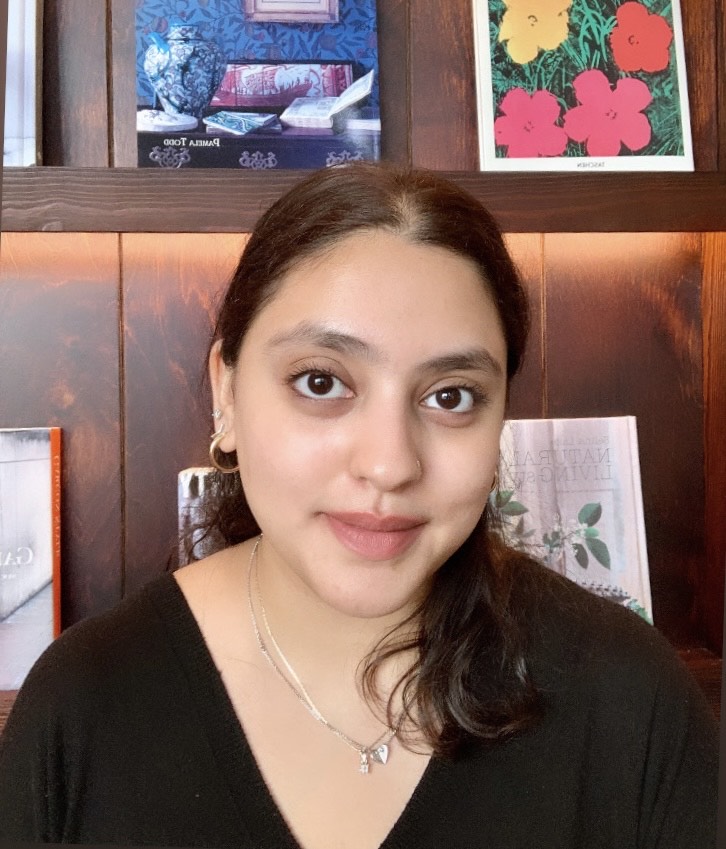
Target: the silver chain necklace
(378, 750)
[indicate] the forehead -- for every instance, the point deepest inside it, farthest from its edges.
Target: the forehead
(388, 291)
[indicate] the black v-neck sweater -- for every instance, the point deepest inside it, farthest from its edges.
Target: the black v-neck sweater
(123, 733)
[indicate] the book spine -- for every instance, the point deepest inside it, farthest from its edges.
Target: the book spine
(639, 510)
(55, 501)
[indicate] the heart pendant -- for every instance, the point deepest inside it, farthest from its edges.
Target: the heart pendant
(380, 754)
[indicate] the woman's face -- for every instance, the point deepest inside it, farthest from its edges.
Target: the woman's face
(365, 409)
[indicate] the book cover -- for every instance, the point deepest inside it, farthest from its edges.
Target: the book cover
(570, 494)
(30, 496)
(211, 73)
(194, 485)
(581, 85)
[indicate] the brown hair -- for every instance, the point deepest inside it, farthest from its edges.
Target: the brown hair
(470, 678)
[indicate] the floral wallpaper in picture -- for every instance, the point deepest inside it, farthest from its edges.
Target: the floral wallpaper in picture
(352, 38)
(581, 85)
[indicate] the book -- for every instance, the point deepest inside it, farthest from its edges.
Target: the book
(321, 111)
(216, 68)
(570, 494)
(240, 123)
(266, 85)
(194, 484)
(581, 85)
(30, 525)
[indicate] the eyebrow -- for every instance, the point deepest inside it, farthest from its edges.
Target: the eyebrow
(478, 359)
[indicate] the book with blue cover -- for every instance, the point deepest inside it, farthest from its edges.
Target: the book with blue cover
(233, 85)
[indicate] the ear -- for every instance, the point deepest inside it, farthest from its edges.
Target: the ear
(221, 376)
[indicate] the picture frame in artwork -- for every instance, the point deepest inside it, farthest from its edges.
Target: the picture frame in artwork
(292, 11)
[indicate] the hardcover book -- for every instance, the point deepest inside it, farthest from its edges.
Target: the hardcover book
(570, 494)
(586, 85)
(221, 83)
(30, 494)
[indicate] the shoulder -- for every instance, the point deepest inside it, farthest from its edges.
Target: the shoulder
(90, 661)
(588, 652)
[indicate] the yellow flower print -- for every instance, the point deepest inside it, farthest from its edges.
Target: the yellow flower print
(529, 25)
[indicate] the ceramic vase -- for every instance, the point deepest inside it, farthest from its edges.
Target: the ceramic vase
(184, 69)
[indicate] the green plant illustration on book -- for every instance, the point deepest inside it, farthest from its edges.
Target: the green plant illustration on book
(581, 536)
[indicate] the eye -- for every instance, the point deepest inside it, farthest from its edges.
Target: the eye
(453, 399)
(320, 384)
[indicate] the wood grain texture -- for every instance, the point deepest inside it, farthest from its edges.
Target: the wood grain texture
(443, 97)
(75, 80)
(395, 83)
(59, 349)
(219, 201)
(710, 598)
(171, 288)
(623, 337)
(526, 399)
(122, 51)
(700, 25)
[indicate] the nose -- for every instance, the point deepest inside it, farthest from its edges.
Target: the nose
(385, 449)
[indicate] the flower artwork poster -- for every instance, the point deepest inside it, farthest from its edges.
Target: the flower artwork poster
(581, 85)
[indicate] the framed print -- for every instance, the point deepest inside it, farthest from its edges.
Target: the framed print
(292, 11)
(581, 85)
(22, 84)
(215, 89)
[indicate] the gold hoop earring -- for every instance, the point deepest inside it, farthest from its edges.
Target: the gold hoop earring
(214, 448)
(495, 483)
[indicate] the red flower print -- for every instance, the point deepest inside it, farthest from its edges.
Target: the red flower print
(608, 117)
(640, 41)
(527, 127)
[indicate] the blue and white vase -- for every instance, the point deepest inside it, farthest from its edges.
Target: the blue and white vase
(184, 69)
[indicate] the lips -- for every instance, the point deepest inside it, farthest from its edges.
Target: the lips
(375, 537)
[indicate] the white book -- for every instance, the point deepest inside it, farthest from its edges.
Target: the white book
(319, 112)
(30, 495)
(570, 494)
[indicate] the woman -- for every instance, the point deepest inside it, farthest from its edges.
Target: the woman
(364, 663)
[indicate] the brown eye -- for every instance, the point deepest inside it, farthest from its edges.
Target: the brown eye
(319, 384)
(448, 399)
(453, 399)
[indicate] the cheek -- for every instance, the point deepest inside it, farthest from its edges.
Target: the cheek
(279, 460)
(464, 478)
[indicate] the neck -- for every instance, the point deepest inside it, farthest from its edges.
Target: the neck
(324, 646)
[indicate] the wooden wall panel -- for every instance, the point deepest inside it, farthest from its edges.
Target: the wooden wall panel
(171, 287)
(710, 598)
(122, 52)
(623, 336)
(395, 82)
(75, 83)
(527, 398)
(700, 24)
(59, 349)
(443, 97)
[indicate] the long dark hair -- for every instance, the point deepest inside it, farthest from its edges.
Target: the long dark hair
(469, 679)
